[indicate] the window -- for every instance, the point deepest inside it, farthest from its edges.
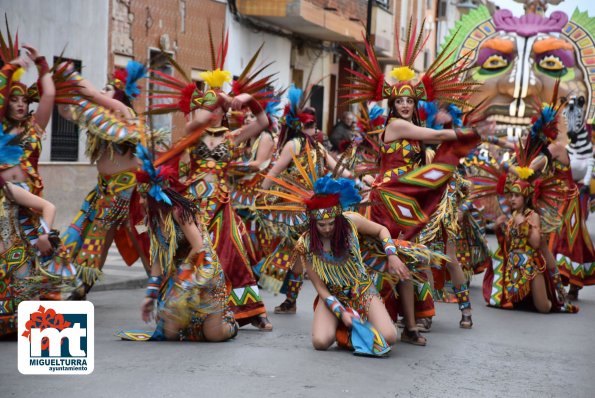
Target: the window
(157, 62)
(442, 9)
(65, 134)
(383, 3)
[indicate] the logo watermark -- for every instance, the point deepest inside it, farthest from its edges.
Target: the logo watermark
(56, 337)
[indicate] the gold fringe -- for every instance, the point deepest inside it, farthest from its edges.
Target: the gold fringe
(89, 275)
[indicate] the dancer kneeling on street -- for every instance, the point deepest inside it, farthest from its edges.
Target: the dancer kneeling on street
(353, 314)
(187, 284)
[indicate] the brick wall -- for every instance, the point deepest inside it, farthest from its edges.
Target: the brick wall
(184, 21)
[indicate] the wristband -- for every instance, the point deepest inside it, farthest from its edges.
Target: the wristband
(389, 246)
(153, 286)
(42, 65)
(335, 306)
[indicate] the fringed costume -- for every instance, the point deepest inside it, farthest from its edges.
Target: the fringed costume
(105, 214)
(190, 287)
(208, 181)
(572, 245)
(407, 192)
(25, 274)
(230, 236)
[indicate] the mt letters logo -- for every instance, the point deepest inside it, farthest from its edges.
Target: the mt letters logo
(56, 337)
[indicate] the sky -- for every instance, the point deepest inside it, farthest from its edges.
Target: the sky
(567, 6)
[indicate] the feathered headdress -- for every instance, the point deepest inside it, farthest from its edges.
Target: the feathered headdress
(441, 82)
(125, 79)
(184, 95)
(318, 197)
(9, 50)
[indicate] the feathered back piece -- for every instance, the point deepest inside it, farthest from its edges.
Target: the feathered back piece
(65, 81)
(248, 84)
(441, 82)
(319, 197)
(9, 47)
(370, 120)
(161, 185)
(184, 95)
(544, 129)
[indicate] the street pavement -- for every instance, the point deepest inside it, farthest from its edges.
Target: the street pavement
(506, 354)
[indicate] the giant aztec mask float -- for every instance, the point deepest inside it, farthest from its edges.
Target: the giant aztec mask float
(520, 58)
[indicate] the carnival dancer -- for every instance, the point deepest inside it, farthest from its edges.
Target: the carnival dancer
(210, 155)
(15, 115)
(519, 268)
(28, 271)
(187, 285)
(112, 133)
(542, 153)
(444, 232)
(256, 159)
(352, 312)
(402, 153)
(298, 143)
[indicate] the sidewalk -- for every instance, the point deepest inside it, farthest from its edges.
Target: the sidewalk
(118, 276)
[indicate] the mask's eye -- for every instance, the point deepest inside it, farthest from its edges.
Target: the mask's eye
(495, 61)
(551, 63)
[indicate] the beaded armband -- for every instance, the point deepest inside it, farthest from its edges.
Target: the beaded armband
(153, 286)
(389, 246)
(335, 306)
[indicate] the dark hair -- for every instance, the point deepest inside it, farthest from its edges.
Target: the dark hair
(339, 241)
(392, 112)
(121, 96)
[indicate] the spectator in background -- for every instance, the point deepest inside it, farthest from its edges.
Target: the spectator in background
(342, 132)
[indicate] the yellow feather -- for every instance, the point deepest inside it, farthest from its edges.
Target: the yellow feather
(216, 78)
(403, 73)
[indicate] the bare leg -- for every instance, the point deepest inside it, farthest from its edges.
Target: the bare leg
(407, 295)
(215, 329)
(539, 294)
(324, 327)
(379, 318)
(454, 268)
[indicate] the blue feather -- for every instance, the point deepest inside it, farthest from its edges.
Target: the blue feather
(431, 110)
(294, 95)
(375, 112)
(10, 155)
(456, 114)
(135, 71)
(345, 187)
(273, 108)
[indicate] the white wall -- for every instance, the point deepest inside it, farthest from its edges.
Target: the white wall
(244, 42)
(50, 25)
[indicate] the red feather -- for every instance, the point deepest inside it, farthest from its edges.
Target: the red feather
(322, 201)
(501, 184)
